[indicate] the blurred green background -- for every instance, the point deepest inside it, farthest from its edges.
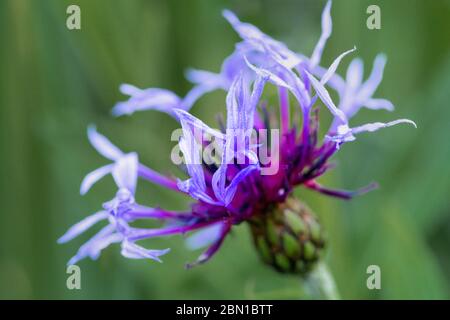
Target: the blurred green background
(54, 82)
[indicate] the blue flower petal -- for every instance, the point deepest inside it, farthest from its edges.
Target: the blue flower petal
(82, 226)
(147, 99)
(131, 250)
(326, 99)
(204, 237)
(125, 172)
(327, 26)
(91, 178)
(103, 145)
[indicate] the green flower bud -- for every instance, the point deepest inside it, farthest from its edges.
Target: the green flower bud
(288, 237)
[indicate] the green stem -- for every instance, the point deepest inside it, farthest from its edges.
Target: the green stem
(320, 284)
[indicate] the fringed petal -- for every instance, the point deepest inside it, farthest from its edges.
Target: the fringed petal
(125, 172)
(91, 178)
(327, 27)
(332, 69)
(189, 122)
(131, 250)
(269, 76)
(346, 134)
(82, 226)
(354, 74)
(152, 98)
(376, 104)
(326, 99)
(96, 244)
(103, 145)
(370, 86)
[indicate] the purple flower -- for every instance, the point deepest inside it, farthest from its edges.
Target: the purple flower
(118, 212)
(232, 186)
(241, 106)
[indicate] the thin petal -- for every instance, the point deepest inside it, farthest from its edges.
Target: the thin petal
(125, 172)
(348, 95)
(94, 245)
(144, 212)
(194, 94)
(371, 127)
(218, 181)
(370, 86)
(332, 69)
(188, 122)
(343, 194)
(268, 75)
(326, 32)
(82, 226)
(140, 234)
(155, 177)
(235, 106)
(258, 40)
(103, 145)
(203, 77)
(195, 186)
(131, 250)
(234, 64)
(346, 134)
(191, 154)
(204, 237)
(258, 88)
(336, 81)
(102, 243)
(152, 98)
(205, 81)
(245, 30)
(296, 85)
(376, 104)
(355, 72)
(326, 99)
(129, 89)
(196, 192)
(91, 178)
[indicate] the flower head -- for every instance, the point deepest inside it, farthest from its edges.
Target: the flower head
(236, 183)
